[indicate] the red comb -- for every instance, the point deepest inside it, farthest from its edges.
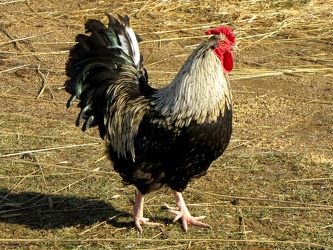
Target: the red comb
(223, 30)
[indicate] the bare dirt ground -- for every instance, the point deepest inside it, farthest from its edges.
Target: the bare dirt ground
(272, 189)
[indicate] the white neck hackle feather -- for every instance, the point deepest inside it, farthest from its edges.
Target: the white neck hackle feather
(200, 91)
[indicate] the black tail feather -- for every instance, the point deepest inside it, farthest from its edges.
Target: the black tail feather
(90, 122)
(71, 101)
(82, 113)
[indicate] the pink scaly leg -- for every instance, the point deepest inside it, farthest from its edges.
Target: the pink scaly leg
(182, 212)
(139, 220)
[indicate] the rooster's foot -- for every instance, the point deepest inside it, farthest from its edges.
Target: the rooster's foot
(182, 213)
(144, 222)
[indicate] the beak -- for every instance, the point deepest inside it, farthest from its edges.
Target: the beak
(235, 48)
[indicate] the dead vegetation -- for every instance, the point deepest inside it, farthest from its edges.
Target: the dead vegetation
(272, 189)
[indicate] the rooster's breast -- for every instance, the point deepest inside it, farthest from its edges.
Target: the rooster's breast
(198, 146)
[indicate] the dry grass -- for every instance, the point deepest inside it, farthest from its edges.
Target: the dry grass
(272, 189)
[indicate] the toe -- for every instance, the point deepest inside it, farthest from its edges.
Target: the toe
(145, 222)
(194, 221)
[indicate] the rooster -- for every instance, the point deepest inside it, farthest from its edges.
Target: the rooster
(155, 137)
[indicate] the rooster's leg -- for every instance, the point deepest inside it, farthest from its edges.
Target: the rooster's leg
(139, 220)
(182, 212)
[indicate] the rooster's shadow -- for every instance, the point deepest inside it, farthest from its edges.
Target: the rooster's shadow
(44, 211)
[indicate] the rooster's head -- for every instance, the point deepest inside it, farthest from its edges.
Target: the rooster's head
(225, 44)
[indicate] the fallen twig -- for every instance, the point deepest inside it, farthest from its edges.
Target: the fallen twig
(47, 149)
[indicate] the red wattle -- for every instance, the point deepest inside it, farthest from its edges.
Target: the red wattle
(228, 62)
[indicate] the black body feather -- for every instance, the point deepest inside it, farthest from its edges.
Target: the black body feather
(148, 148)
